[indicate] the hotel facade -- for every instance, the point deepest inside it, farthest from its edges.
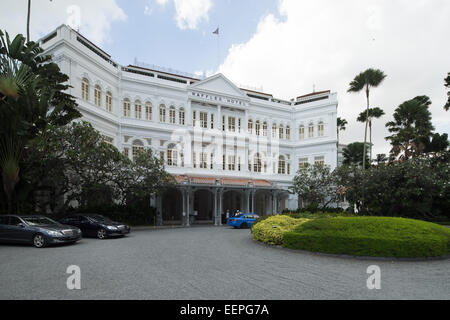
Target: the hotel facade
(228, 148)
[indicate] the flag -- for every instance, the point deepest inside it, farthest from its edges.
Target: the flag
(216, 32)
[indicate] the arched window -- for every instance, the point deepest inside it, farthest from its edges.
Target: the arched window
(108, 101)
(257, 163)
(162, 113)
(281, 165)
(97, 95)
(281, 132)
(85, 89)
(301, 132)
(138, 147)
(138, 109)
(311, 130)
(182, 116)
(172, 155)
(320, 129)
(148, 111)
(274, 130)
(126, 108)
(250, 126)
(258, 128)
(265, 129)
(288, 132)
(172, 114)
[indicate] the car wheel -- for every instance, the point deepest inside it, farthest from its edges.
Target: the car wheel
(244, 225)
(39, 241)
(101, 233)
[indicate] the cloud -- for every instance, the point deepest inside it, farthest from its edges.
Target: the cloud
(93, 18)
(328, 42)
(162, 2)
(189, 13)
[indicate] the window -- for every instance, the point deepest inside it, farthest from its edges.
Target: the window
(212, 121)
(194, 118)
(162, 113)
(108, 101)
(126, 108)
(85, 89)
(204, 119)
(301, 132)
(231, 162)
(257, 128)
(181, 116)
(311, 130)
(203, 160)
(148, 111)
(172, 155)
(126, 152)
(231, 124)
(320, 129)
(137, 109)
(281, 165)
(303, 163)
(194, 160)
(182, 159)
(250, 126)
(172, 114)
(223, 123)
(138, 147)
(223, 162)
(108, 140)
(265, 129)
(281, 132)
(319, 161)
(239, 125)
(288, 133)
(98, 96)
(161, 156)
(212, 161)
(257, 163)
(239, 163)
(274, 130)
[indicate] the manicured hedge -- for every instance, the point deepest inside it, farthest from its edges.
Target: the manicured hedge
(370, 236)
(270, 230)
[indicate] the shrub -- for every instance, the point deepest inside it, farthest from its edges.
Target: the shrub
(370, 236)
(264, 230)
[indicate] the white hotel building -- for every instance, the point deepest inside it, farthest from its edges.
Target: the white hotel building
(228, 148)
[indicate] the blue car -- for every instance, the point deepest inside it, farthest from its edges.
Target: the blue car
(243, 220)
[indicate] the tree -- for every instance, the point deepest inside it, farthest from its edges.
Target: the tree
(372, 113)
(436, 143)
(73, 163)
(410, 128)
(341, 123)
(353, 154)
(31, 97)
(381, 158)
(371, 78)
(447, 85)
(315, 185)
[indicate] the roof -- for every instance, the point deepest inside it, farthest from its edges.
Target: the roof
(157, 71)
(313, 94)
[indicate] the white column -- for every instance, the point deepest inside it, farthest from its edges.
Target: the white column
(253, 200)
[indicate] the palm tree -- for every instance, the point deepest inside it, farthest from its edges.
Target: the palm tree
(447, 85)
(373, 113)
(341, 123)
(371, 78)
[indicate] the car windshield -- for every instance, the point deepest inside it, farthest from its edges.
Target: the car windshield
(99, 218)
(240, 215)
(39, 221)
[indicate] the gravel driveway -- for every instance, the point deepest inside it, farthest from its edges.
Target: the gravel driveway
(207, 263)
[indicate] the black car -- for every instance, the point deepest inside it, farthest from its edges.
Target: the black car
(38, 230)
(96, 225)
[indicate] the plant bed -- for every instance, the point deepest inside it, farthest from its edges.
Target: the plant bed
(270, 230)
(370, 236)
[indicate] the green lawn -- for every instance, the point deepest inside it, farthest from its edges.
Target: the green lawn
(370, 236)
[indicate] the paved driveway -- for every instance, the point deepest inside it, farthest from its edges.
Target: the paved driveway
(207, 263)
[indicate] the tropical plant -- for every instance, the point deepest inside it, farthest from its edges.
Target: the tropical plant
(381, 158)
(411, 128)
(314, 185)
(353, 154)
(436, 143)
(371, 78)
(373, 113)
(341, 126)
(31, 97)
(447, 85)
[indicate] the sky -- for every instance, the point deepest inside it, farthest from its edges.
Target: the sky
(283, 47)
